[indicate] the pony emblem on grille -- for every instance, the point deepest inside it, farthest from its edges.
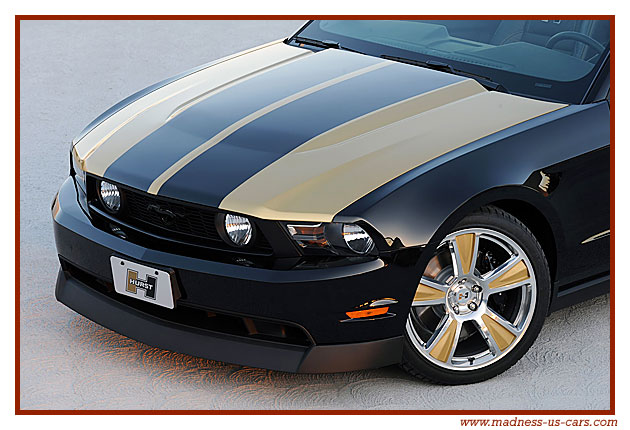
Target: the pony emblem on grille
(167, 217)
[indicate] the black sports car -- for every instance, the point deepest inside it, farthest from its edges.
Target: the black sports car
(360, 194)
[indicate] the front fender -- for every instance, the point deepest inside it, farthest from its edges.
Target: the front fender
(419, 207)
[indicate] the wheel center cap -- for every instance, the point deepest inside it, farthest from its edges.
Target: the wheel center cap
(464, 297)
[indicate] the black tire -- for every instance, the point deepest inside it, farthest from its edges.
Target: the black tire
(493, 218)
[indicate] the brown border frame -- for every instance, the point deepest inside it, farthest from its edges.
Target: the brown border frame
(19, 411)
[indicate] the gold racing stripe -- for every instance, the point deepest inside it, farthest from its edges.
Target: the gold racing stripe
(88, 144)
(394, 112)
(186, 159)
(130, 125)
(320, 178)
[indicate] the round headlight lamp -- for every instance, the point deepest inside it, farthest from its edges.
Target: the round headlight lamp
(357, 239)
(110, 196)
(238, 229)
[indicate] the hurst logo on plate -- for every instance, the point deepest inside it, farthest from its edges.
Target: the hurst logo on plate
(142, 282)
(148, 285)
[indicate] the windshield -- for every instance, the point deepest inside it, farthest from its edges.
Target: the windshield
(546, 59)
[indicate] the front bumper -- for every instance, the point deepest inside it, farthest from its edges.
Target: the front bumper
(313, 301)
(219, 346)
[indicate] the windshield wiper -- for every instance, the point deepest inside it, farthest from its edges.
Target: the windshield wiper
(322, 43)
(445, 67)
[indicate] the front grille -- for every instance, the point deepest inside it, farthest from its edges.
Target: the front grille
(193, 221)
(191, 224)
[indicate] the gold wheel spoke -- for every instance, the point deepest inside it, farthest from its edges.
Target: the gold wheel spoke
(505, 323)
(429, 293)
(485, 332)
(498, 337)
(464, 253)
(443, 343)
(511, 274)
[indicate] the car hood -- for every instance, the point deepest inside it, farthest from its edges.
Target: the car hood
(280, 132)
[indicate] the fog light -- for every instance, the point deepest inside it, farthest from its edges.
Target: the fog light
(110, 196)
(117, 231)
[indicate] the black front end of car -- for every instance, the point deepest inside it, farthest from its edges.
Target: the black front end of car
(266, 305)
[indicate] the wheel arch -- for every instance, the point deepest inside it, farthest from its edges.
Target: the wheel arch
(536, 221)
(525, 204)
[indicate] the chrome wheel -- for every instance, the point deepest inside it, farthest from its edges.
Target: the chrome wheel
(474, 301)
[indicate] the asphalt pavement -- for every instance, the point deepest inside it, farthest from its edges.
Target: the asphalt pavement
(71, 71)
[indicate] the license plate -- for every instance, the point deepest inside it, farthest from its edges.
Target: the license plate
(142, 282)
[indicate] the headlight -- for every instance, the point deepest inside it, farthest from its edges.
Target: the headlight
(357, 239)
(79, 173)
(239, 229)
(335, 238)
(110, 196)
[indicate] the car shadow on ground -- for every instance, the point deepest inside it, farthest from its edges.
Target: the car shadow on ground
(180, 381)
(81, 365)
